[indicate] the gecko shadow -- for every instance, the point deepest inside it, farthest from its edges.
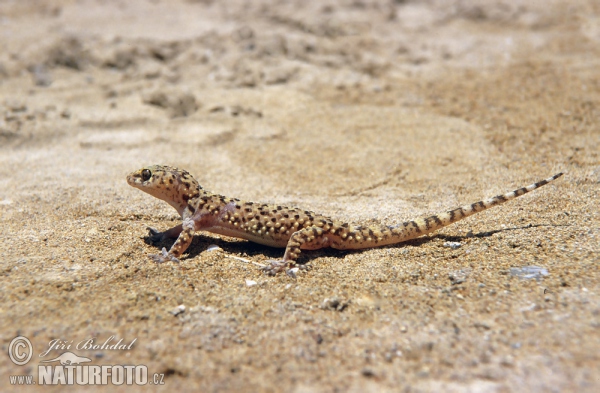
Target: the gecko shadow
(200, 242)
(454, 238)
(250, 249)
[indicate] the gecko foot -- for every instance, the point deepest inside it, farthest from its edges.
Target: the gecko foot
(164, 256)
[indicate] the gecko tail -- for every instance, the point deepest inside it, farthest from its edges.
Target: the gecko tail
(422, 226)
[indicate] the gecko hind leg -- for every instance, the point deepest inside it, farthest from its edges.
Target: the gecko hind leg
(311, 238)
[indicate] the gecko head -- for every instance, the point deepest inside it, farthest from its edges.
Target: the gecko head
(172, 185)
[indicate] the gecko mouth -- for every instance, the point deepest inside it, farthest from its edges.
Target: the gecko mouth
(134, 179)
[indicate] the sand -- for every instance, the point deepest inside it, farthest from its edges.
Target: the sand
(367, 111)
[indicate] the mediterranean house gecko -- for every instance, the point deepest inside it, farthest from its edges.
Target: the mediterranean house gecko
(279, 226)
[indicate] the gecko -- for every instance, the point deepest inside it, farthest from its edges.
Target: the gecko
(279, 226)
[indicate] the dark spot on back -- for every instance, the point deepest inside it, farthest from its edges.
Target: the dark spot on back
(414, 224)
(436, 219)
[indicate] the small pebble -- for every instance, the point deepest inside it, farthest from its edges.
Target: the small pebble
(459, 276)
(178, 310)
(292, 272)
(16, 106)
(213, 247)
(452, 245)
(41, 75)
(528, 272)
(368, 373)
(335, 304)
(250, 283)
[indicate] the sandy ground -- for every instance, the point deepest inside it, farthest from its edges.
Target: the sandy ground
(367, 111)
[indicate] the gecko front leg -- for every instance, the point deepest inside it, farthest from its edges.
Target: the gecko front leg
(185, 235)
(196, 221)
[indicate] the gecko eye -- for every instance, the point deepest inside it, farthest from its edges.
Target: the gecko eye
(146, 174)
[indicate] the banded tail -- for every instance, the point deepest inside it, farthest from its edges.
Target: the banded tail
(422, 226)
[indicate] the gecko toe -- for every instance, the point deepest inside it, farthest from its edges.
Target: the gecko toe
(164, 256)
(157, 258)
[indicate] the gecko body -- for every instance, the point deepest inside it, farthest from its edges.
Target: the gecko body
(279, 226)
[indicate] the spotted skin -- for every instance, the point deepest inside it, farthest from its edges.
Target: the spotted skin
(279, 226)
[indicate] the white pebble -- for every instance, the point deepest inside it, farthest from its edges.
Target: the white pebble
(178, 310)
(292, 272)
(529, 272)
(452, 245)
